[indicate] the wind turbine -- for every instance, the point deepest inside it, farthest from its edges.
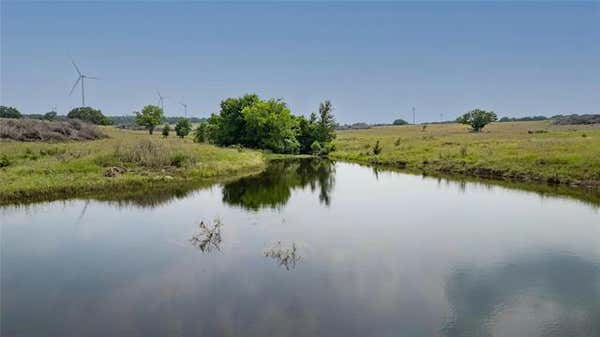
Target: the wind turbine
(184, 108)
(161, 100)
(81, 78)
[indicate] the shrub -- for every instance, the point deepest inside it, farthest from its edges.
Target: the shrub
(316, 148)
(477, 119)
(89, 114)
(183, 127)
(377, 148)
(180, 160)
(397, 141)
(9, 112)
(200, 134)
(165, 131)
(4, 162)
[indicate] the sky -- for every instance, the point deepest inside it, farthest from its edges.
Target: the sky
(374, 61)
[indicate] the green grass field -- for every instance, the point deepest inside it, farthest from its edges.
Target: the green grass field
(521, 151)
(45, 171)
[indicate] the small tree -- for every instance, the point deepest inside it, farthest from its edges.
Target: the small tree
(477, 119)
(166, 129)
(9, 112)
(377, 148)
(200, 134)
(150, 117)
(400, 121)
(183, 127)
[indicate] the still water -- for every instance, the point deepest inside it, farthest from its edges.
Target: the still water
(308, 248)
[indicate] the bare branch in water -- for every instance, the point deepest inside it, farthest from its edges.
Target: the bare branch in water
(285, 255)
(208, 238)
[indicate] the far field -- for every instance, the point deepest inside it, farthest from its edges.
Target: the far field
(522, 151)
(129, 162)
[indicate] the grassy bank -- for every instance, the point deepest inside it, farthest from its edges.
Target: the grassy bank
(520, 151)
(126, 162)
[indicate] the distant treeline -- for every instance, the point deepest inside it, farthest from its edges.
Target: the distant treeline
(523, 119)
(130, 120)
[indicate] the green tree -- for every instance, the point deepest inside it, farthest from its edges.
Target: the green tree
(326, 122)
(89, 114)
(200, 133)
(477, 119)
(270, 125)
(166, 130)
(307, 132)
(227, 127)
(183, 127)
(400, 121)
(149, 117)
(9, 112)
(50, 115)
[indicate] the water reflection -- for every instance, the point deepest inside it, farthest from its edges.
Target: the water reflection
(273, 187)
(208, 237)
(571, 284)
(286, 254)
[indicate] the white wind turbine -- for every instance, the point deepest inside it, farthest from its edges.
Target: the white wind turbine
(81, 79)
(161, 100)
(184, 108)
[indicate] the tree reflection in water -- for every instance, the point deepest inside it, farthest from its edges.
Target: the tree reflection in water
(570, 283)
(273, 187)
(286, 255)
(208, 238)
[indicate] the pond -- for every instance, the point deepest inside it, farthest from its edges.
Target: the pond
(307, 248)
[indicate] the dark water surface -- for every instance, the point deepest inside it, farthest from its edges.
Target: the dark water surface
(306, 249)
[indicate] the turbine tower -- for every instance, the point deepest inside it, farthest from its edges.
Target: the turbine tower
(184, 108)
(81, 79)
(414, 116)
(161, 100)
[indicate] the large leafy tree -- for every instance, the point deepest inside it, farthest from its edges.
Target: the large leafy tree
(149, 117)
(9, 112)
(270, 125)
(89, 114)
(227, 127)
(477, 119)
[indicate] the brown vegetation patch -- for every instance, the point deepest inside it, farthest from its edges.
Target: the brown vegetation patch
(31, 130)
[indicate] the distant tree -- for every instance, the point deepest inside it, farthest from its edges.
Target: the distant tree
(9, 112)
(166, 130)
(400, 121)
(89, 114)
(200, 133)
(477, 119)
(149, 117)
(183, 127)
(50, 115)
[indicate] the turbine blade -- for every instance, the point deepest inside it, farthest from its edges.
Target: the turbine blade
(93, 78)
(74, 85)
(76, 67)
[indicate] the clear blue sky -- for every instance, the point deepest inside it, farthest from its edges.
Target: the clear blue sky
(374, 61)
